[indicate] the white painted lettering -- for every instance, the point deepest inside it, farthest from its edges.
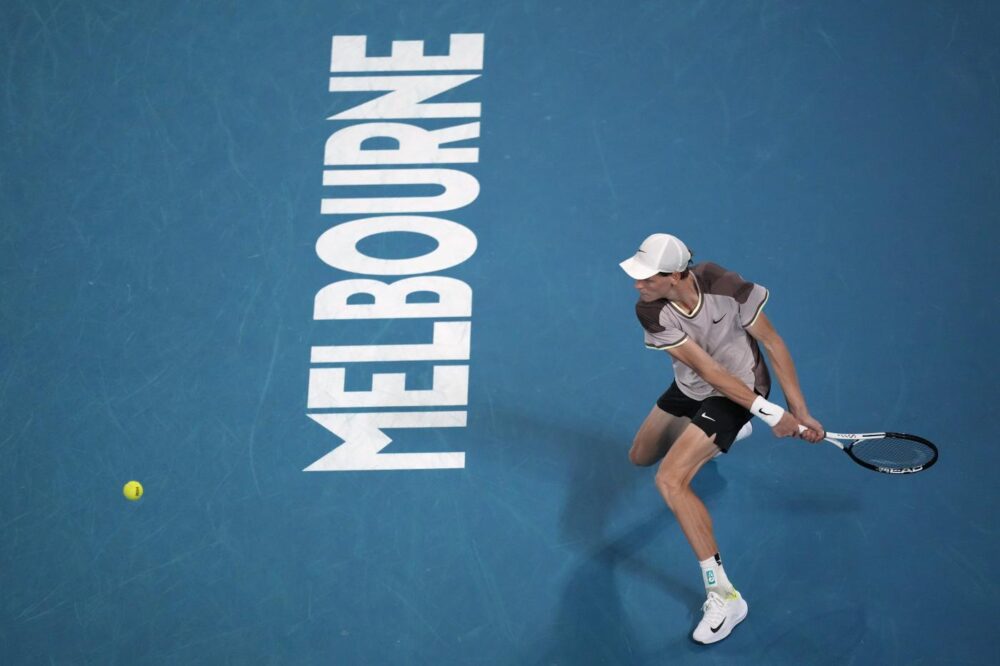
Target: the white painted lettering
(338, 246)
(450, 387)
(460, 189)
(450, 343)
(364, 441)
(395, 201)
(347, 54)
(416, 145)
(405, 97)
(390, 299)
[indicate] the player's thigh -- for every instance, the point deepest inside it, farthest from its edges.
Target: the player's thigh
(655, 436)
(722, 418)
(687, 455)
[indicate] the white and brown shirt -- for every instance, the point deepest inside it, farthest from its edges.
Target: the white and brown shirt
(727, 305)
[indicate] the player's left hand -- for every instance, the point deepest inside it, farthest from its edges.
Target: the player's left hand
(788, 426)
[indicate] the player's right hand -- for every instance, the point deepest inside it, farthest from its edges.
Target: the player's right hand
(814, 431)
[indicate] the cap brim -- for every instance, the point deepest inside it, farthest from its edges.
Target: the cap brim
(637, 270)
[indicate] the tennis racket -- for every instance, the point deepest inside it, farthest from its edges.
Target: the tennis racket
(886, 452)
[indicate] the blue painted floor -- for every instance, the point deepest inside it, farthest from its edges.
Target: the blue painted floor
(160, 195)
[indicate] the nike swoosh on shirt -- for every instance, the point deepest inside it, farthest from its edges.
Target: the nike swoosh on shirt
(716, 321)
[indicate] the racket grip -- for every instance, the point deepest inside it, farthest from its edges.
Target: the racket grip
(802, 429)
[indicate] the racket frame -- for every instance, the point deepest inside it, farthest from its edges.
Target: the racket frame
(846, 441)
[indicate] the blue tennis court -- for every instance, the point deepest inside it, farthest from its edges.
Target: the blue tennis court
(350, 311)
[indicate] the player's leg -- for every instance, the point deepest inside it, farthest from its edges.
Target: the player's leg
(714, 428)
(673, 479)
(657, 433)
(666, 421)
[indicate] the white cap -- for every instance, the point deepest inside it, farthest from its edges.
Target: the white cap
(660, 253)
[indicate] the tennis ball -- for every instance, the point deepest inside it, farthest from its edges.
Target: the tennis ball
(132, 490)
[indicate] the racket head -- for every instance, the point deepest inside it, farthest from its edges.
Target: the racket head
(894, 453)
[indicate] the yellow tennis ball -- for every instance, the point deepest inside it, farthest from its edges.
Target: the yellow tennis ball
(132, 490)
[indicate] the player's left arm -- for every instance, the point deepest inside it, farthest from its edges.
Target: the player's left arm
(781, 361)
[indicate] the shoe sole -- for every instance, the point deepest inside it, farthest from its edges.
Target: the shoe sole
(719, 636)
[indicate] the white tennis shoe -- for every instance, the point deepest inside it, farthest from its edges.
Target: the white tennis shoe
(721, 615)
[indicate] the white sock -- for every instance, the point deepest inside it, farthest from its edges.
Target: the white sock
(714, 577)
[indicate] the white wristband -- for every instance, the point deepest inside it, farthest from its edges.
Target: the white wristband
(768, 412)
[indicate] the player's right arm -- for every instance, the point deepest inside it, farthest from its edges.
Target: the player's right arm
(692, 355)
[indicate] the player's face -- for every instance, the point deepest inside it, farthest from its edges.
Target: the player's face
(655, 288)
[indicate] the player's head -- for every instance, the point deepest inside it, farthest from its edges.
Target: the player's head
(659, 267)
(659, 254)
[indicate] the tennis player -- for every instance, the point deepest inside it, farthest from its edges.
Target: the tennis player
(710, 320)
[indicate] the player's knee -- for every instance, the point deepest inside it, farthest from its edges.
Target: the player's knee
(671, 483)
(637, 457)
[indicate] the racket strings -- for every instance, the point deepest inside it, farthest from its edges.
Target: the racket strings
(893, 452)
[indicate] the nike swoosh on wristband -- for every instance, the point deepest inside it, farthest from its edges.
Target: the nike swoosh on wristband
(766, 413)
(716, 629)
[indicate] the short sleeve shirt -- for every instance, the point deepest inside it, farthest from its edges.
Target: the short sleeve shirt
(727, 305)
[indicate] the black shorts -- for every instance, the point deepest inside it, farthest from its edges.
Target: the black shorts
(717, 415)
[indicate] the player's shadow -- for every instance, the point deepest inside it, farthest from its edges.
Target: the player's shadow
(817, 505)
(591, 625)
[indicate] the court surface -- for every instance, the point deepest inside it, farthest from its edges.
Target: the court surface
(161, 197)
